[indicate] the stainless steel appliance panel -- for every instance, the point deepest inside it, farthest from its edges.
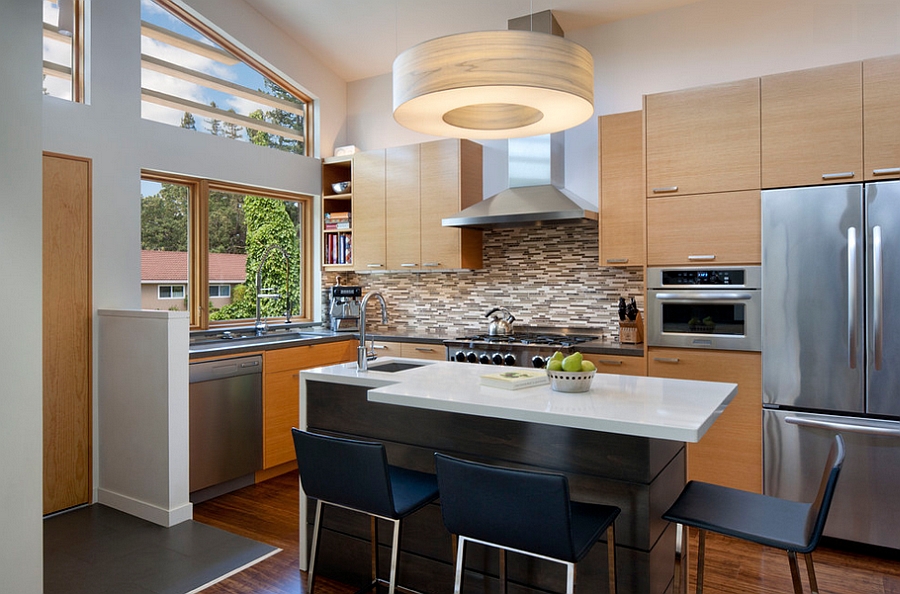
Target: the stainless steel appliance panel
(865, 506)
(812, 293)
(883, 298)
(225, 420)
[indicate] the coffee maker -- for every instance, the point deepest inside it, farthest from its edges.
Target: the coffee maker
(344, 309)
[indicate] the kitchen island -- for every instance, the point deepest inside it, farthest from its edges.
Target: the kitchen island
(622, 444)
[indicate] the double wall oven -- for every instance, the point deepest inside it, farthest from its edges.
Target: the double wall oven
(529, 348)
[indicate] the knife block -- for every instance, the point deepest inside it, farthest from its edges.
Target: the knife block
(632, 332)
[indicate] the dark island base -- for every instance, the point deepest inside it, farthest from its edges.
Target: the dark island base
(641, 476)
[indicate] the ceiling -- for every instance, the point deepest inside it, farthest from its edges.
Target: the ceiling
(360, 38)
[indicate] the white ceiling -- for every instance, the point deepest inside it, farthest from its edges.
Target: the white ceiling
(360, 38)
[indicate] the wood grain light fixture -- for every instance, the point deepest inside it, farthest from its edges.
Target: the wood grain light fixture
(493, 84)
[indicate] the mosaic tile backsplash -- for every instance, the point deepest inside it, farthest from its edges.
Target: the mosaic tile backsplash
(545, 276)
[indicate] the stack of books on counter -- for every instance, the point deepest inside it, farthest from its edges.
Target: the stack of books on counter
(335, 221)
(515, 379)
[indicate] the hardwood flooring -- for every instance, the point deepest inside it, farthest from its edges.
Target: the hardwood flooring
(268, 512)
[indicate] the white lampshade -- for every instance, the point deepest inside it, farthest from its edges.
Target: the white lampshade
(493, 84)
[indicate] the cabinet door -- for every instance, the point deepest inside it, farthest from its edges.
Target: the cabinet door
(617, 364)
(369, 211)
(730, 453)
(450, 180)
(622, 201)
(812, 126)
(703, 140)
(403, 220)
(712, 228)
(881, 106)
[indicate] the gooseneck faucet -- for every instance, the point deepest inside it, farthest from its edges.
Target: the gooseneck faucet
(261, 326)
(363, 356)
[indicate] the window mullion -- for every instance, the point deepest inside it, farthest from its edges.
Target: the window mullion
(199, 265)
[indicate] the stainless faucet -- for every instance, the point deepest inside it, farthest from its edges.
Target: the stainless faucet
(363, 356)
(261, 326)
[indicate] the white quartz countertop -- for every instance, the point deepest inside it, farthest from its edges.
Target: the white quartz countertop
(679, 410)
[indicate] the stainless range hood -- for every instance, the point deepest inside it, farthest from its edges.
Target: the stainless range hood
(536, 193)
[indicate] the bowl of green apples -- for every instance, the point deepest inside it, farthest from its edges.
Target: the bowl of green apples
(570, 374)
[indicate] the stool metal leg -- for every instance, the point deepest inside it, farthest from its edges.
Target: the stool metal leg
(373, 532)
(701, 558)
(795, 572)
(317, 529)
(813, 584)
(611, 557)
(460, 560)
(502, 571)
(395, 553)
(681, 559)
(570, 577)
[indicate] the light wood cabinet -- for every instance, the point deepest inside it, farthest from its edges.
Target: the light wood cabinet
(703, 140)
(618, 364)
(622, 202)
(708, 228)
(881, 110)
(812, 126)
(403, 222)
(730, 453)
(369, 245)
(337, 233)
(281, 392)
(423, 350)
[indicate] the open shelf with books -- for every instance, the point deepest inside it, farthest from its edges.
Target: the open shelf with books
(337, 212)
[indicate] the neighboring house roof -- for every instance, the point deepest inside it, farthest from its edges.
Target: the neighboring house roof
(159, 266)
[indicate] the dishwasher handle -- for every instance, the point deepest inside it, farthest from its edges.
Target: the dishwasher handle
(223, 368)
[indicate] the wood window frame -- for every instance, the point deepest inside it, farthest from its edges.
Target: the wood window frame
(76, 72)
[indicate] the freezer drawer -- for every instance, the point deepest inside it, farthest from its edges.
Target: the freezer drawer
(866, 508)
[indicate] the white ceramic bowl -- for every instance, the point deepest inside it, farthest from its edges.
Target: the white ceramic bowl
(570, 381)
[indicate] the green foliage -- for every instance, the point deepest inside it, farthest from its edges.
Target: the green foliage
(213, 126)
(227, 229)
(281, 118)
(188, 121)
(164, 219)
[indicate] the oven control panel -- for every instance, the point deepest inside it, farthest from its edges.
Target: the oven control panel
(696, 276)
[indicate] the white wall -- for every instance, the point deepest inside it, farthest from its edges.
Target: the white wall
(703, 43)
(21, 480)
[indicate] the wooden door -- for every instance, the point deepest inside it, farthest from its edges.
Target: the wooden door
(402, 211)
(730, 453)
(67, 330)
(622, 202)
(812, 126)
(703, 140)
(881, 111)
(369, 211)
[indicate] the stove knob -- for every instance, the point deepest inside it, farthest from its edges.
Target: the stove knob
(472, 357)
(460, 357)
(484, 360)
(497, 359)
(538, 362)
(509, 360)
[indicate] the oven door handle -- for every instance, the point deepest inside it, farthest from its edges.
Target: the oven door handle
(704, 296)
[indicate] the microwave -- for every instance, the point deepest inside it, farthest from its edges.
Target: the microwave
(710, 308)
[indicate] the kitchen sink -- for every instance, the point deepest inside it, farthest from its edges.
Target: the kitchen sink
(394, 366)
(238, 340)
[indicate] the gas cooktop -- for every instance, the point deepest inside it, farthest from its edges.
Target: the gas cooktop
(529, 338)
(525, 348)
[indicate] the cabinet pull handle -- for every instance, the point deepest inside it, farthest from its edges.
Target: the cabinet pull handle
(664, 190)
(842, 175)
(375, 265)
(886, 171)
(617, 260)
(425, 349)
(408, 265)
(702, 257)
(380, 346)
(666, 359)
(608, 362)
(431, 264)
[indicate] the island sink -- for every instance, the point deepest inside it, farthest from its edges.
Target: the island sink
(394, 366)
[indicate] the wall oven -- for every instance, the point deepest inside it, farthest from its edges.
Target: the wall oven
(712, 308)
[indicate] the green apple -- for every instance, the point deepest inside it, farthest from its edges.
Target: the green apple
(572, 362)
(557, 356)
(588, 366)
(554, 365)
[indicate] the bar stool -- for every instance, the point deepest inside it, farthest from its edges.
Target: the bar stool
(355, 475)
(792, 526)
(521, 511)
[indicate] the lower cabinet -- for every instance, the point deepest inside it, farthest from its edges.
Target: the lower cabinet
(424, 350)
(281, 392)
(618, 364)
(730, 453)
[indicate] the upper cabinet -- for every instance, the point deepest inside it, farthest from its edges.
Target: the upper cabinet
(622, 202)
(337, 205)
(703, 140)
(402, 193)
(812, 126)
(881, 108)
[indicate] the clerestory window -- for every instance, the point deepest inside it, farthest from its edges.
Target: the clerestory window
(63, 52)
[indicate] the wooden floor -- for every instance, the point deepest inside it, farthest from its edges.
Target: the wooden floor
(268, 512)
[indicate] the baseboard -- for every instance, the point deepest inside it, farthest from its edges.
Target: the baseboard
(268, 473)
(144, 510)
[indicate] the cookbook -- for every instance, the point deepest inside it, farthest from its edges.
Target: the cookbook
(515, 379)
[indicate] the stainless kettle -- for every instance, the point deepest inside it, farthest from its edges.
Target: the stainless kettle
(500, 325)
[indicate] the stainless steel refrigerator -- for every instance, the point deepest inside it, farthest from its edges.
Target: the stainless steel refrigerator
(831, 350)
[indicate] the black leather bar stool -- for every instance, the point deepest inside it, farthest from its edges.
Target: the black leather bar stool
(355, 475)
(792, 526)
(521, 511)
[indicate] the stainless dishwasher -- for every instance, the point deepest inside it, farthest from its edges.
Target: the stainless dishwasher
(225, 423)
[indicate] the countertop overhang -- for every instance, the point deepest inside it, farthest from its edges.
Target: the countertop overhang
(659, 408)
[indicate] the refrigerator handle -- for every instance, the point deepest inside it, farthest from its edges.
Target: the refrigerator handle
(877, 294)
(864, 428)
(852, 296)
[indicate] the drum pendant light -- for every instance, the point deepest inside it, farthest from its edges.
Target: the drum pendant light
(493, 84)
